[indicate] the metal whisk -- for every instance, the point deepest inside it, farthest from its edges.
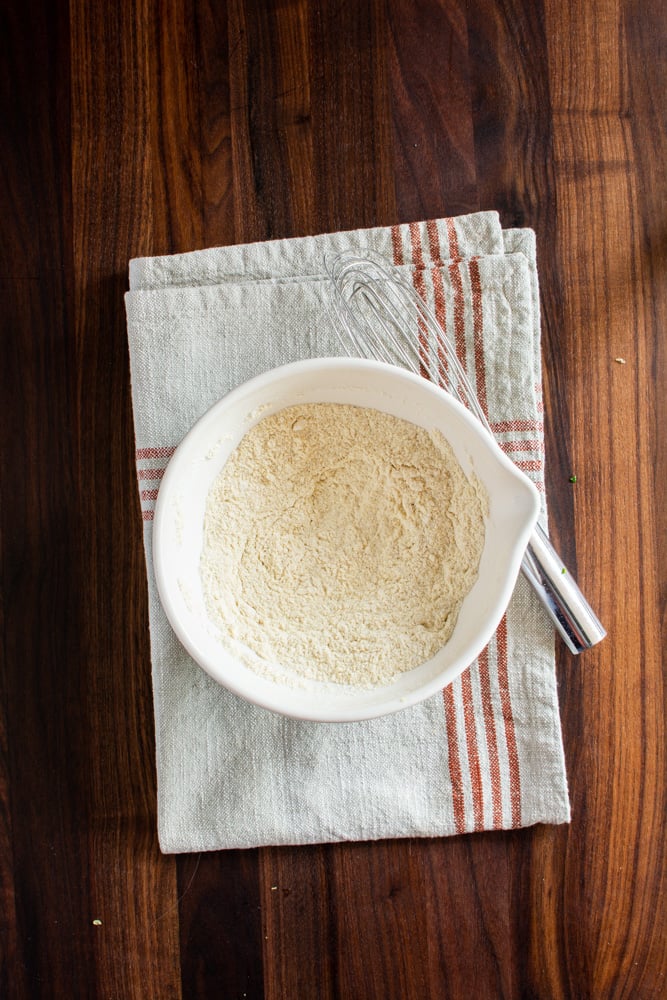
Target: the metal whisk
(382, 317)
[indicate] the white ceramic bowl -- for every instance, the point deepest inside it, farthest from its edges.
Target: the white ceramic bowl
(179, 518)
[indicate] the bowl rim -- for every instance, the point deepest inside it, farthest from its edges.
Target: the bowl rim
(165, 584)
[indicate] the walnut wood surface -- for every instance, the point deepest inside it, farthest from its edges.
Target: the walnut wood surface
(156, 127)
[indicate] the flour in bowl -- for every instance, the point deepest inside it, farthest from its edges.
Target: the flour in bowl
(340, 542)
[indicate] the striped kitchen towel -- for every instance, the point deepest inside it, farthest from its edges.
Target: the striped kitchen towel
(486, 753)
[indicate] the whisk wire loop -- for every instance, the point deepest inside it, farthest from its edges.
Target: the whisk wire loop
(385, 319)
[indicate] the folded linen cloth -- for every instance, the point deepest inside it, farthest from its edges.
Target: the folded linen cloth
(486, 753)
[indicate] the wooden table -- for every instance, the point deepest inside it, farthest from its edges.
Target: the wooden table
(151, 127)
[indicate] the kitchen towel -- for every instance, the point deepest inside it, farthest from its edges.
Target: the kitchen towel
(484, 754)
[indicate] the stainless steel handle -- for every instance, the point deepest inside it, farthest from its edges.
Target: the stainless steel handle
(565, 604)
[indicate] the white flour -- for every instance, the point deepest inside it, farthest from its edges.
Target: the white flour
(339, 542)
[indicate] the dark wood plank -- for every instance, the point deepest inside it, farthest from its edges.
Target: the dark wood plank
(114, 181)
(221, 938)
(301, 947)
(270, 119)
(213, 60)
(645, 32)
(352, 164)
(617, 762)
(379, 901)
(169, 70)
(434, 915)
(44, 791)
(431, 109)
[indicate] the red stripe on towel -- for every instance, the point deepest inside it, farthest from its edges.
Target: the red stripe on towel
(473, 751)
(513, 426)
(458, 801)
(453, 239)
(434, 242)
(491, 740)
(416, 245)
(459, 313)
(150, 473)
(510, 733)
(420, 288)
(529, 464)
(397, 244)
(154, 453)
(149, 494)
(438, 294)
(522, 444)
(441, 316)
(478, 334)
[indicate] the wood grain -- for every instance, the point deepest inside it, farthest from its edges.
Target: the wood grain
(137, 939)
(45, 800)
(153, 127)
(431, 109)
(623, 753)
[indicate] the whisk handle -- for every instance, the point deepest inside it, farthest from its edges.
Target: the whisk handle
(566, 605)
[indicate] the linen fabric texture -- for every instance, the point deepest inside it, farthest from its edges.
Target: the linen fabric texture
(484, 754)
